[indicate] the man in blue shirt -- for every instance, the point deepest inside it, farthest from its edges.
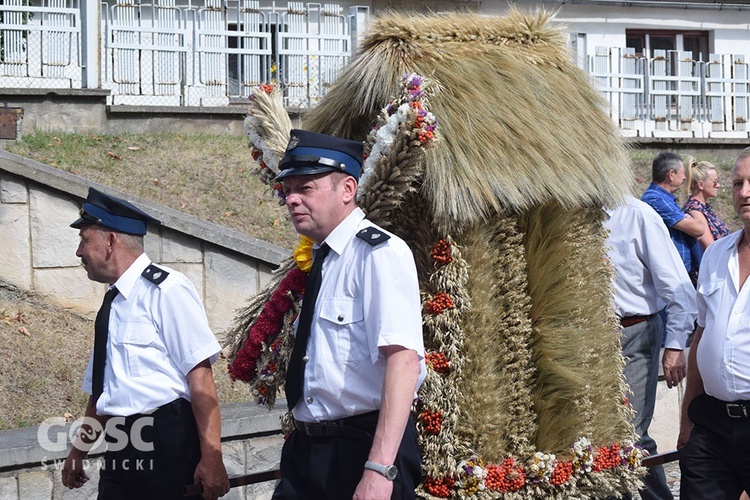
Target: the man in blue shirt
(668, 174)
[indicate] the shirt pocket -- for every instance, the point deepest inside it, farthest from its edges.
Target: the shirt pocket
(138, 343)
(711, 293)
(345, 328)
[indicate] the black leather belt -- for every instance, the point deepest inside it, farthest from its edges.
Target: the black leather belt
(356, 426)
(634, 320)
(173, 408)
(737, 409)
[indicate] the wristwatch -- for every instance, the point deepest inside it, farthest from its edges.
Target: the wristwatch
(388, 471)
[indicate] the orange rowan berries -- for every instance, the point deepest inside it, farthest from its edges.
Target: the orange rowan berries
(439, 303)
(439, 487)
(505, 477)
(437, 361)
(432, 421)
(441, 252)
(561, 473)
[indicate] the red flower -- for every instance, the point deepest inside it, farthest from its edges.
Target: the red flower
(267, 325)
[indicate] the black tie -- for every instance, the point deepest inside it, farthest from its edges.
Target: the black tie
(295, 370)
(101, 329)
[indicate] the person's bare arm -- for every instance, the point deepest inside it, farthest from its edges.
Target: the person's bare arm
(691, 227)
(401, 375)
(73, 475)
(706, 238)
(210, 471)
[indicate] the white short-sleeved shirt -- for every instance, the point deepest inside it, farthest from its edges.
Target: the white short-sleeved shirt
(157, 334)
(369, 298)
(650, 274)
(723, 354)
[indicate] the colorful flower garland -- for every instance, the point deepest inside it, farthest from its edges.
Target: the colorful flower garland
(394, 116)
(541, 474)
(267, 159)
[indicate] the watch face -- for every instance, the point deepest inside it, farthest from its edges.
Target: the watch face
(391, 472)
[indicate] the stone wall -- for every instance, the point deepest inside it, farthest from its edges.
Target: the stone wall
(37, 205)
(85, 111)
(251, 443)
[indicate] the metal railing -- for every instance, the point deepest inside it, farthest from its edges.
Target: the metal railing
(39, 44)
(205, 54)
(195, 53)
(672, 95)
(212, 52)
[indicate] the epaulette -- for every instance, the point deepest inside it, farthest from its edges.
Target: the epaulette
(373, 235)
(154, 274)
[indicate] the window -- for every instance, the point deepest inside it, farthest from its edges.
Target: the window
(646, 42)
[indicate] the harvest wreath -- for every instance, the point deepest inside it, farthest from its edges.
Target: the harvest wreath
(262, 338)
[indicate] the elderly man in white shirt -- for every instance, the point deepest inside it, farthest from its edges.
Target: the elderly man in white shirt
(650, 276)
(715, 428)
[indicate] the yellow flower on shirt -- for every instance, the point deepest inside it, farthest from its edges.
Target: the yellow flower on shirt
(303, 254)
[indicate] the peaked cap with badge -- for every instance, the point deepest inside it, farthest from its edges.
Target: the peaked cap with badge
(113, 213)
(311, 153)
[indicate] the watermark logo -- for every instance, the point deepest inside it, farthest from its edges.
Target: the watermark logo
(53, 437)
(127, 464)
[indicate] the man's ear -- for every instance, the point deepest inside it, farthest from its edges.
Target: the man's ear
(111, 241)
(350, 188)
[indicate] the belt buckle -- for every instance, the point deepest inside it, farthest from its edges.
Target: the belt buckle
(742, 410)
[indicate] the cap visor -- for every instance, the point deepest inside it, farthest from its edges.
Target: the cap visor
(308, 170)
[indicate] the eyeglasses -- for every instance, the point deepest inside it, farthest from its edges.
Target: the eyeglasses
(717, 183)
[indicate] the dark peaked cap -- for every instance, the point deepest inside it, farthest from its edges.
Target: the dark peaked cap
(312, 153)
(114, 213)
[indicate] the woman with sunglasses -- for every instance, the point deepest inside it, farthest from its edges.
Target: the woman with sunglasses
(702, 180)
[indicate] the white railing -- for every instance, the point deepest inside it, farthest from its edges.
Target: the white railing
(210, 52)
(40, 44)
(206, 53)
(672, 95)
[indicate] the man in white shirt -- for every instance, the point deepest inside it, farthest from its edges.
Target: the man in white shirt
(649, 276)
(358, 357)
(150, 379)
(715, 428)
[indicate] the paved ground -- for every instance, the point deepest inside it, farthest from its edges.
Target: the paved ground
(672, 471)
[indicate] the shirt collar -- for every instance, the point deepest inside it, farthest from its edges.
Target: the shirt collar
(340, 236)
(661, 189)
(126, 282)
(734, 257)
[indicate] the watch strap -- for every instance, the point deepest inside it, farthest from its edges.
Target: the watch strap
(387, 471)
